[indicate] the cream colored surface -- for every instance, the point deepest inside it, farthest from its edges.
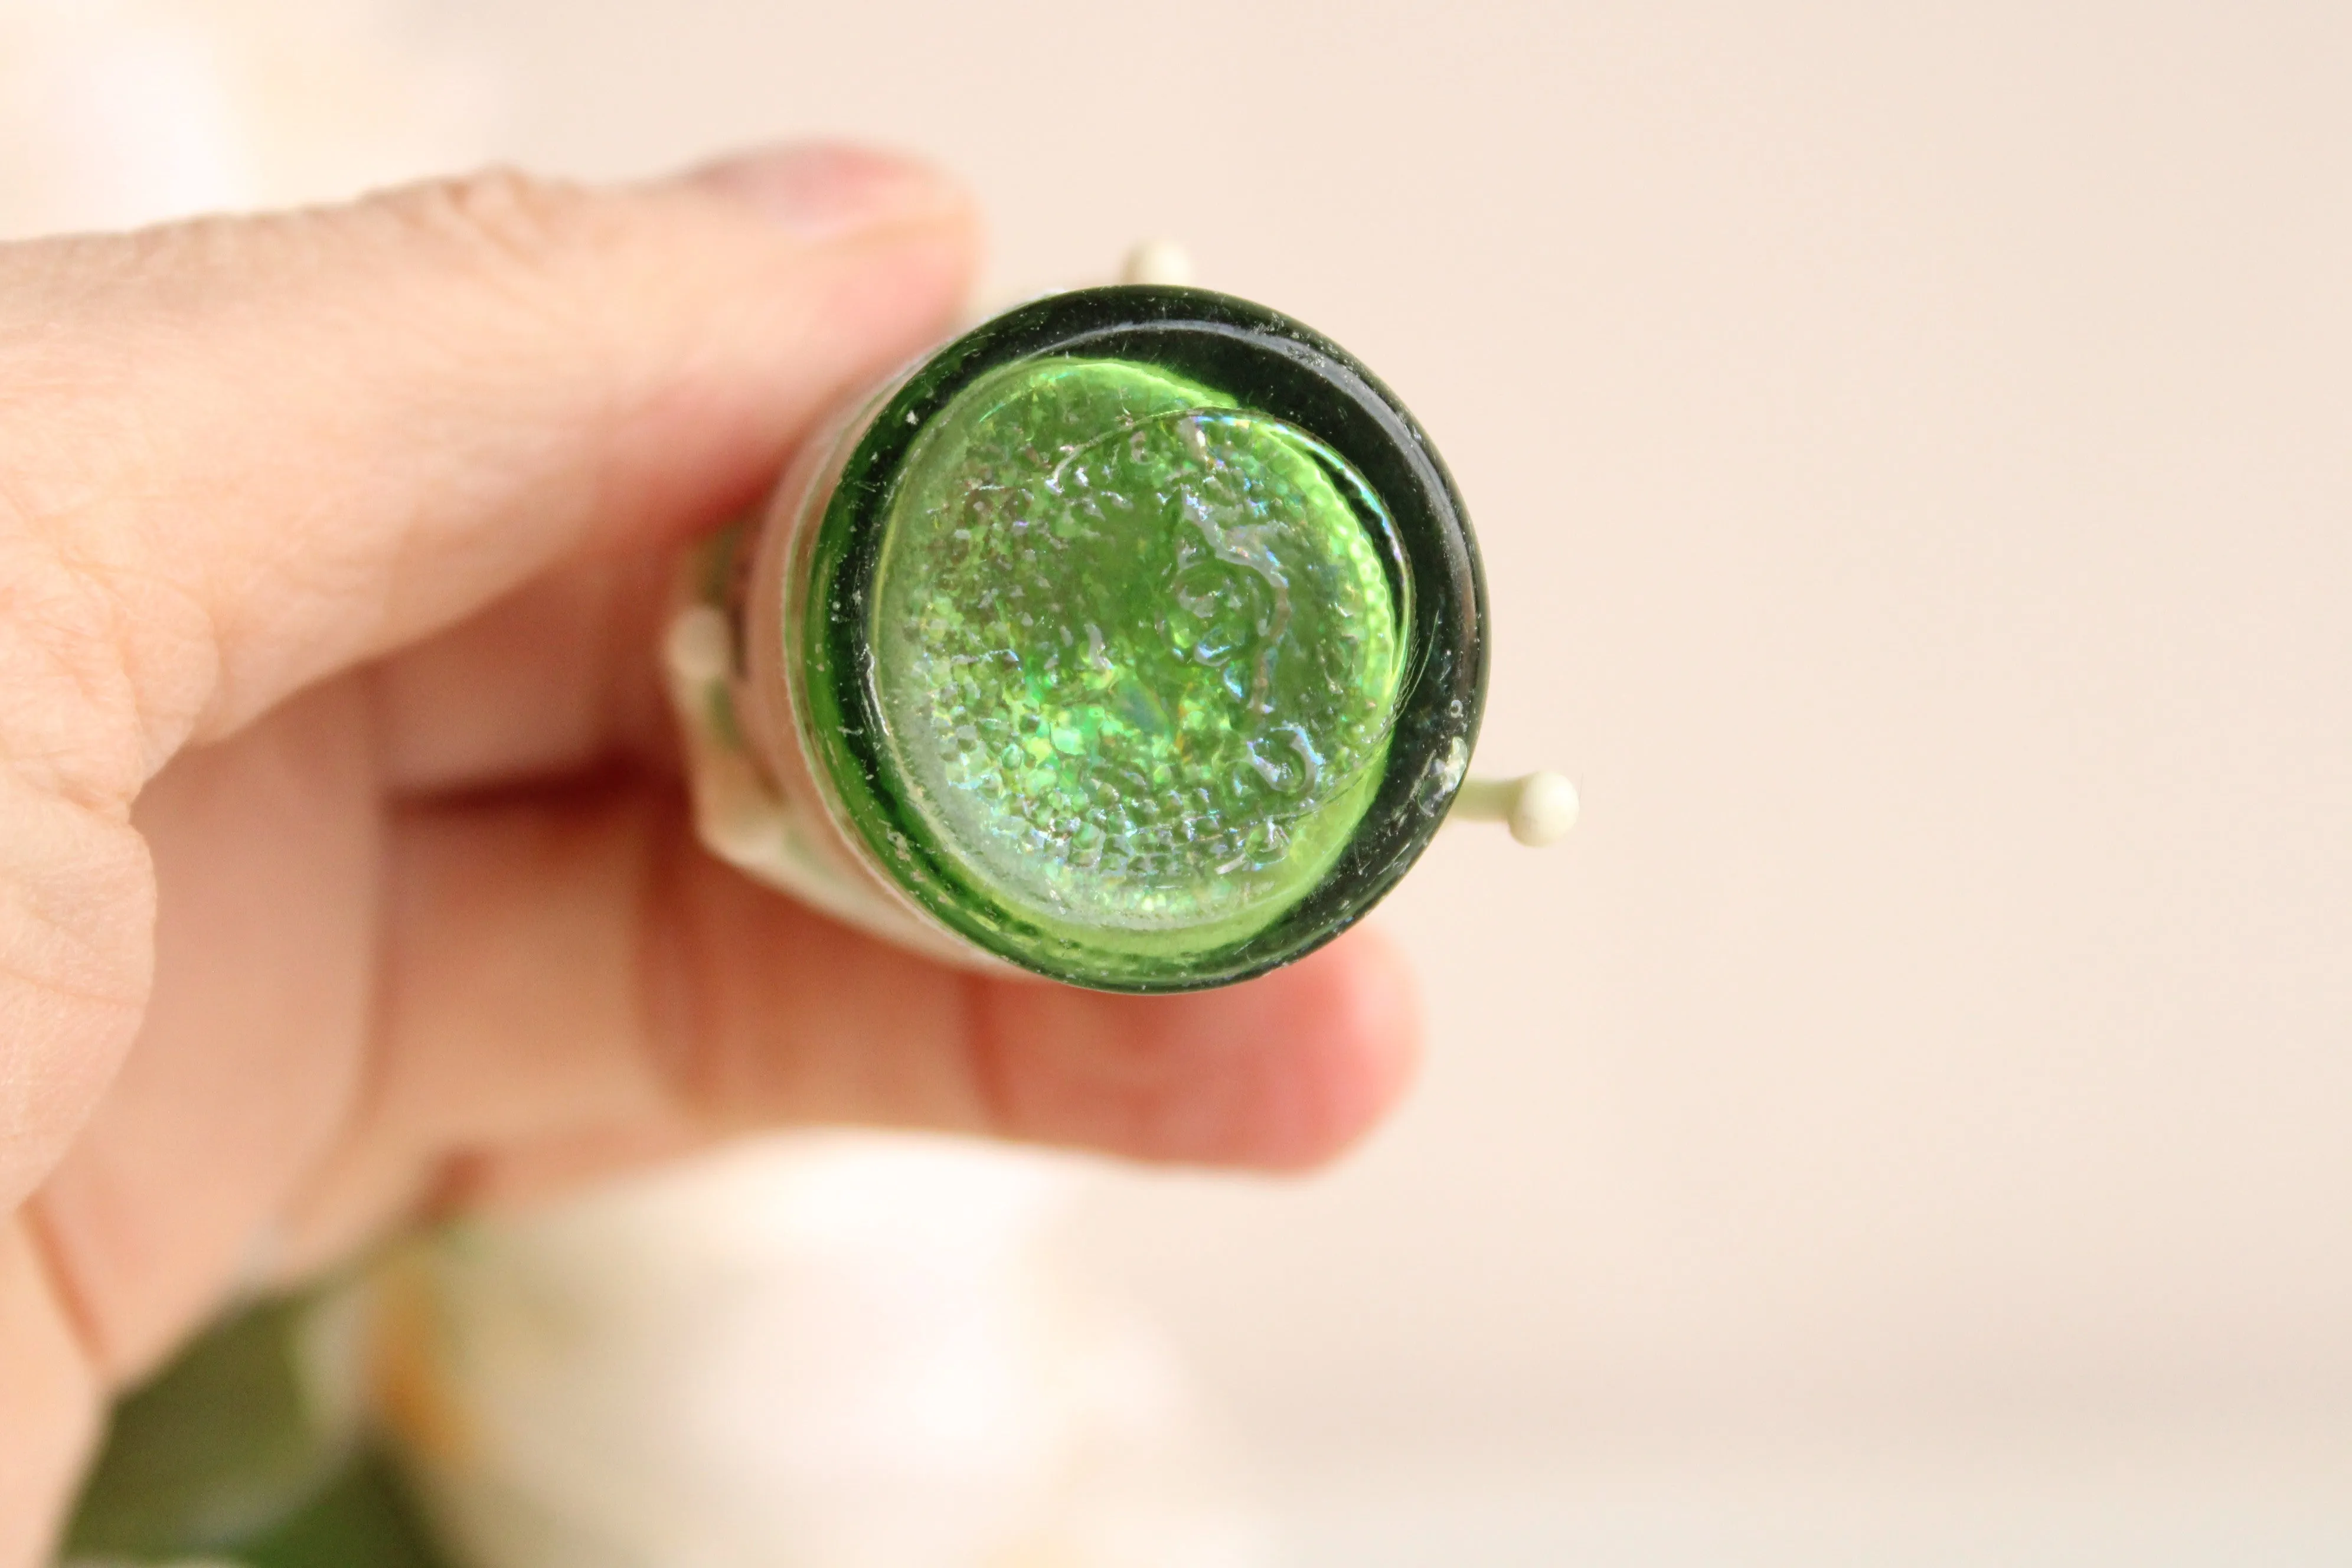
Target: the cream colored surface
(1913, 451)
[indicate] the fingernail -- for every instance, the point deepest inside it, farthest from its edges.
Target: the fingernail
(829, 191)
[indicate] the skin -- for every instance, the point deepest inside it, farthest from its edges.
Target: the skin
(343, 871)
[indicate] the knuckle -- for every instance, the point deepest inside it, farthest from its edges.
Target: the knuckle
(72, 720)
(106, 655)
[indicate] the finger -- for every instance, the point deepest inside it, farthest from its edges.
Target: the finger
(1280, 1073)
(49, 1393)
(257, 451)
(555, 678)
(247, 1064)
(567, 981)
(755, 1009)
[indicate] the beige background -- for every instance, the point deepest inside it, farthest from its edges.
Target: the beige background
(1913, 451)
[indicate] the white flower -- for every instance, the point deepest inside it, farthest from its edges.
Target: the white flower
(847, 1352)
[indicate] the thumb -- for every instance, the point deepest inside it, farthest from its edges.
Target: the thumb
(239, 454)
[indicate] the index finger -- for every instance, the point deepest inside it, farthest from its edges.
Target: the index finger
(249, 452)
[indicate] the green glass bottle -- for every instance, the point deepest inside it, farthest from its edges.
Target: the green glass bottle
(1135, 637)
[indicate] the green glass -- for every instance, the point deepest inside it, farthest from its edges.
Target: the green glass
(1138, 638)
(1136, 652)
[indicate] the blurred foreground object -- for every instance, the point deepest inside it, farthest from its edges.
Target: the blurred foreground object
(252, 1449)
(797, 1352)
(804, 1351)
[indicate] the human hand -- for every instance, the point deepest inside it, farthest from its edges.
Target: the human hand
(344, 874)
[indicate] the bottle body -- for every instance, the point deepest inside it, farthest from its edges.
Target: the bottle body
(1135, 638)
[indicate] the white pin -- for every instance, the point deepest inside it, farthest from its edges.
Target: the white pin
(1158, 261)
(700, 648)
(1541, 808)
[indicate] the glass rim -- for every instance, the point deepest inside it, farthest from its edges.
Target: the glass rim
(1272, 365)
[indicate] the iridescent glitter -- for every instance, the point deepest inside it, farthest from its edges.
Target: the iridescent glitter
(1137, 651)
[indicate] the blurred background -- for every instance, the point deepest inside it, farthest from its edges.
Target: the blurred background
(1911, 1120)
